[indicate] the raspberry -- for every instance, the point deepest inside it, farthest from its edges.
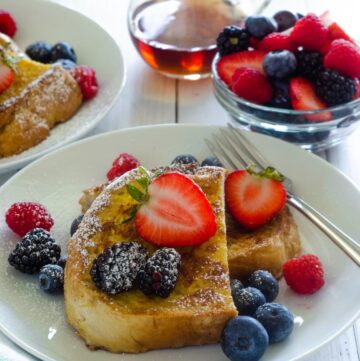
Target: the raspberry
(310, 33)
(251, 85)
(122, 164)
(305, 274)
(7, 23)
(86, 78)
(344, 56)
(22, 217)
(277, 41)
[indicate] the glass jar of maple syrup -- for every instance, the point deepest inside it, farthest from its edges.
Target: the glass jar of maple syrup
(178, 37)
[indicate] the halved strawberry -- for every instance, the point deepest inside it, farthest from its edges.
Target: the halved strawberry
(253, 199)
(6, 76)
(335, 30)
(303, 97)
(176, 213)
(248, 58)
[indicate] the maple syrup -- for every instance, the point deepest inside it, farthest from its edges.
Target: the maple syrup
(178, 38)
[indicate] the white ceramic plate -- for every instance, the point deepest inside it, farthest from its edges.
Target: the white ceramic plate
(45, 20)
(37, 322)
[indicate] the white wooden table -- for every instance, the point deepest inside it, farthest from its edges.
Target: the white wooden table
(149, 98)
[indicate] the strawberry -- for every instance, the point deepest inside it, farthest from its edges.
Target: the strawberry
(303, 97)
(344, 56)
(277, 41)
(173, 211)
(250, 58)
(7, 23)
(251, 85)
(254, 198)
(357, 94)
(6, 76)
(310, 33)
(335, 31)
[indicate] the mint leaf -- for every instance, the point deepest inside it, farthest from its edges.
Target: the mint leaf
(135, 193)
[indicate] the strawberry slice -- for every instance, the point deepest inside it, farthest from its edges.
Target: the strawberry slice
(254, 198)
(303, 97)
(248, 58)
(335, 30)
(6, 77)
(177, 213)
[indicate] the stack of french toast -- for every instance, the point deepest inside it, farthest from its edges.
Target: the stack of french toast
(199, 306)
(39, 97)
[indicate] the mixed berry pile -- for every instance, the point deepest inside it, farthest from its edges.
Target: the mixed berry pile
(290, 61)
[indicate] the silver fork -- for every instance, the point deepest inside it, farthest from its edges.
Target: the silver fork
(233, 149)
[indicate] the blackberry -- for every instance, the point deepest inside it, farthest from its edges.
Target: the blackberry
(309, 64)
(184, 159)
(115, 269)
(335, 88)
(35, 250)
(75, 224)
(232, 39)
(51, 278)
(160, 273)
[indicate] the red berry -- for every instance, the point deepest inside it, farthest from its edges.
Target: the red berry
(251, 85)
(344, 56)
(248, 58)
(310, 33)
(177, 213)
(86, 78)
(122, 164)
(277, 41)
(22, 217)
(304, 275)
(7, 76)
(254, 42)
(7, 23)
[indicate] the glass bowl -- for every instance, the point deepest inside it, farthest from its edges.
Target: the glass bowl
(294, 126)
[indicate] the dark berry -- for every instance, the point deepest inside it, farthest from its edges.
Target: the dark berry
(66, 64)
(335, 88)
(184, 159)
(299, 15)
(277, 320)
(232, 39)
(281, 94)
(51, 278)
(265, 282)
(62, 50)
(260, 26)
(115, 269)
(212, 161)
(160, 273)
(247, 300)
(62, 262)
(39, 51)
(279, 64)
(309, 64)
(75, 224)
(236, 286)
(35, 250)
(285, 19)
(244, 339)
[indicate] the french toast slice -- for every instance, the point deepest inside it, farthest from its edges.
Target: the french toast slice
(40, 97)
(267, 247)
(194, 313)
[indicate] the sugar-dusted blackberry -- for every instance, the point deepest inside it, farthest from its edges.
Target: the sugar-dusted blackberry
(115, 269)
(35, 250)
(335, 88)
(232, 39)
(309, 64)
(160, 273)
(51, 278)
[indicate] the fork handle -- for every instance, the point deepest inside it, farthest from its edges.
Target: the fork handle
(336, 235)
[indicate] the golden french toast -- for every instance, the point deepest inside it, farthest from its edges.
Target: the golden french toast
(40, 97)
(193, 314)
(267, 247)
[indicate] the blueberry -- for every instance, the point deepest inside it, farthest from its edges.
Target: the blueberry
(265, 282)
(39, 51)
(279, 64)
(212, 161)
(247, 300)
(51, 278)
(75, 224)
(285, 19)
(244, 339)
(66, 64)
(260, 26)
(236, 286)
(62, 50)
(277, 320)
(281, 94)
(184, 159)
